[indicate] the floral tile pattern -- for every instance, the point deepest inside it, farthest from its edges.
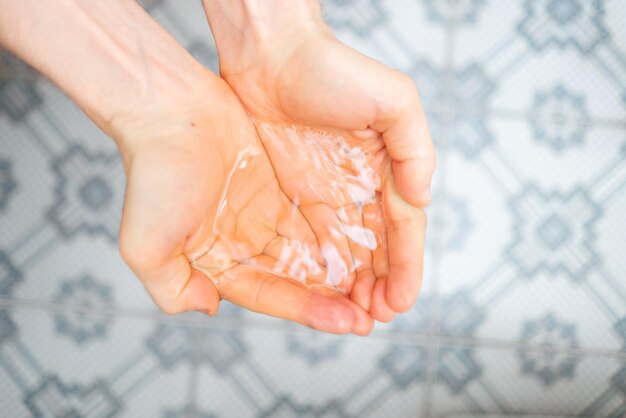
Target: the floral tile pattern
(523, 309)
(122, 368)
(534, 242)
(538, 383)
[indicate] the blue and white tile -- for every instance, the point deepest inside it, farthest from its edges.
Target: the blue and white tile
(260, 373)
(26, 184)
(61, 191)
(530, 229)
(84, 272)
(69, 363)
(187, 22)
(517, 55)
(484, 380)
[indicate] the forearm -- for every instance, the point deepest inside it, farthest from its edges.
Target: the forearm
(244, 28)
(109, 56)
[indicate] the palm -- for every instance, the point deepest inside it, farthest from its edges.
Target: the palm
(323, 85)
(209, 199)
(254, 225)
(302, 111)
(334, 179)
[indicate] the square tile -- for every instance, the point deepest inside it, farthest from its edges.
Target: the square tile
(187, 22)
(61, 192)
(520, 55)
(70, 363)
(248, 373)
(85, 272)
(483, 380)
(26, 183)
(533, 248)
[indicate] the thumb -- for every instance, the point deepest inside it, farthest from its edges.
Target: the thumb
(351, 91)
(406, 230)
(402, 123)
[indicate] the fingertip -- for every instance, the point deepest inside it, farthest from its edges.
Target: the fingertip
(398, 297)
(207, 312)
(200, 294)
(326, 314)
(364, 324)
(406, 227)
(380, 310)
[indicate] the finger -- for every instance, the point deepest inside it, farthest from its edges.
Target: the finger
(362, 241)
(406, 229)
(363, 287)
(375, 221)
(380, 310)
(333, 244)
(264, 293)
(402, 122)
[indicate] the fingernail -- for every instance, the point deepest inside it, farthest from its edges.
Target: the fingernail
(427, 194)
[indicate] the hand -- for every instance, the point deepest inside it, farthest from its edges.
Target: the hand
(285, 67)
(176, 209)
(180, 131)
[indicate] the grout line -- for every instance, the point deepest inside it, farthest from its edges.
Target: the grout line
(439, 219)
(432, 359)
(449, 110)
(126, 313)
(494, 113)
(493, 343)
(409, 338)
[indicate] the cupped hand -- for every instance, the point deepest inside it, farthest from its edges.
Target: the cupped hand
(307, 78)
(205, 217)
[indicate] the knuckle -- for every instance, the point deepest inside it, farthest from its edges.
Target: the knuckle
(261, 293)
(407, 83)
(132, 253)
(405, 268)
(139, 254)
(127, 248)
(433, 158)
(407, 89)
(399, 98)
(403, 224)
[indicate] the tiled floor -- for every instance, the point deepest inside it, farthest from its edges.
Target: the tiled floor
(524, 303)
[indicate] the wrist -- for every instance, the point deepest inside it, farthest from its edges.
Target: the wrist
(110, 57)
(245, 30)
